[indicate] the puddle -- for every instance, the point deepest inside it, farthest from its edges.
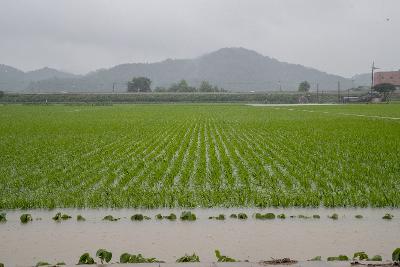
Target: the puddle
(251, 239)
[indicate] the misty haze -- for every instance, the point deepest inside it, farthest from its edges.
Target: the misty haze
(224, 133)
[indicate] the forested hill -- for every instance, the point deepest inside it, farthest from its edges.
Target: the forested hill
(234, 69)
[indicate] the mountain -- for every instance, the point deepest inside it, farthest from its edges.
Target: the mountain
(12, 79)
(235, 69)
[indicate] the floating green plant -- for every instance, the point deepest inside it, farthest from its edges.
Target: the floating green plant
(80, 218)
(171, 217)
(338, 258)
(131, 258)
(317, 258)
(220, 217)
(58, 217)
(86, 259)
(110, 218)
(188, 216)
(358, 216)
(388, 216)
(281, 216)
(25, 218)
(42, 263)
(233, 216)
(360, 256)
(334, 216)
(159, 216)
(316, 216)
(189, 258)
(242, 216)
(3, 217)
(301, 216)
(375, 258)
(104, 255)
(137, 217)
(222, 258)
(266, 216)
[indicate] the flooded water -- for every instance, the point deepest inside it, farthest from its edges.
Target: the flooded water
(251, 239)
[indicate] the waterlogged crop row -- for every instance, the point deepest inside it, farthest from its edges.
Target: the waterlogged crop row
(196, 156)
(106, 256)
(188, 216)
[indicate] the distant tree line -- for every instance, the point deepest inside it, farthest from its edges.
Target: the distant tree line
(142, 84)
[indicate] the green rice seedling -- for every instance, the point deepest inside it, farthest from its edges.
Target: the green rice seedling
(80, 218)
(188, 216)
(110, 218)
(358, 216)
(86, 259)
(281, 216)
(396, 255)
(317, 258)
(131, 258)
(316, 216)
(360, 256)
(104, 255)
(159, 216)
(137, 217)
(25, 218)
(338, 258)
(242, 216)
(233, 216)
(334, 216)
(222, 258)
(388, 216)
(375, 258)
(189, 258)
(42, 263)
(3, 217)
(58, 217)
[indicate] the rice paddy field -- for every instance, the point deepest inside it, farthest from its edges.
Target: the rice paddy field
(190, 155)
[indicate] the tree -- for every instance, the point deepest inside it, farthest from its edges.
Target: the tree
(304, 86)
(385, 89)
(205, 86)
(1, 94)
(139, 84)
(182, 86)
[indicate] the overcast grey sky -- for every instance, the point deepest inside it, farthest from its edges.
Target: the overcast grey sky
(336, 36)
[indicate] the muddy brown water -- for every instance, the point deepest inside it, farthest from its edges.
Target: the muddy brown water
(251, 239)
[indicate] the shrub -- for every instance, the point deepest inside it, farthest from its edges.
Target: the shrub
(376, 258)
(358, 216)
(281, 216)
(58, 217)
(396, 255)
(316, 216)
(80, 218)
(233, 216)
(338, 258)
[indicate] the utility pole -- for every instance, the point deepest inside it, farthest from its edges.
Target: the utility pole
(338, 91)
(114, 87)
(373, 68)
